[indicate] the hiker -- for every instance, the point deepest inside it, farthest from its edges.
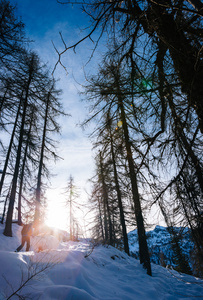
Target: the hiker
(26, 234)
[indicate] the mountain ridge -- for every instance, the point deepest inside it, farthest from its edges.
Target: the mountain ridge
(160, 245)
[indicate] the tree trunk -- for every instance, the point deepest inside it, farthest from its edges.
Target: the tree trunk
(111, 242)
(3, 100)
(71, 216)
(186, 57)
(5, 203)
(122, 217)
(10, 147)
(184, 142)
(143, 248)
(38, 189)
(100, 220)
(8, 227)
(108, 229)
(22, 174)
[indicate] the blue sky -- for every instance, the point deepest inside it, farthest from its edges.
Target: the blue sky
(39, 16)
(43, 20)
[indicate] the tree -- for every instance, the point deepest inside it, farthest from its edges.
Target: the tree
(12, 42)
(160, 43)
(72, 195)
(118, 190)
(22, 173)
(107, 141)
(39, 96)
(31, 68)
(170, 34)
(105, 200)
(109, 87)
(176, 24)
(143, 249)
(4, 172)
(52, 110)
(96, 202)
(11, 36)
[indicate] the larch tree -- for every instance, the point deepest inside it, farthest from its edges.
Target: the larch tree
(161, 44)
(109, 88)
(40, 95)
(31, 62)
(12, 37)
(107, 140)
(176, 24)
(72, 195)
(117, 185)
(52, 109)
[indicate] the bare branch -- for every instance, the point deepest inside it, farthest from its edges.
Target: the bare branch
(81, 40)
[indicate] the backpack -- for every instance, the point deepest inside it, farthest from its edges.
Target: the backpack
(27, 228)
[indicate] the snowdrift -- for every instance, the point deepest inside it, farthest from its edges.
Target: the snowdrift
(71, 271)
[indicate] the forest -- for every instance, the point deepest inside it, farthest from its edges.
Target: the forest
(145, 102)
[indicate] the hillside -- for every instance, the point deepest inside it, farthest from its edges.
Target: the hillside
(76, 271)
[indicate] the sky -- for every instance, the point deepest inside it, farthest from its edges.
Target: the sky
(76, 270)
(43, 21)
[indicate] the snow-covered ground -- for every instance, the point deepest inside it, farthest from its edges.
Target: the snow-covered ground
(70, 271)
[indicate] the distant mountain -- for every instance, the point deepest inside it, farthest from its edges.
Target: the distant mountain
(160, 245)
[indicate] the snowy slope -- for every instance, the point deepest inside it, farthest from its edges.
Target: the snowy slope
(73, 272)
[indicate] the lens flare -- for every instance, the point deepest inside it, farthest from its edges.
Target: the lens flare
(120, 123)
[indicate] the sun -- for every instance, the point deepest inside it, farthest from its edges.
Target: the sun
(57, 213)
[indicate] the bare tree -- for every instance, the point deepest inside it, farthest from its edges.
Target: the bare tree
(12, 36)
(39, 96)
(72, 202)
(108, 89)
(52, 110)
(31, 68)
(176, 24)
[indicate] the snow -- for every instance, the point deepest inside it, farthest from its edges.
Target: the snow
(159, 245)
(77, 271)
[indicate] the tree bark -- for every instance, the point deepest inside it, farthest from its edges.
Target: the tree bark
(186, 57)
(22, 174)
(8, 226)
(10, 147)
(100, 220)
(38, 189)
(143, 248)
(120, 204)
(108, 229)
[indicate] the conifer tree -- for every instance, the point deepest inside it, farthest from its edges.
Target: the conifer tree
(108, 87)
(72, 195)
(31, 67)
(12, 36)
(39, 96)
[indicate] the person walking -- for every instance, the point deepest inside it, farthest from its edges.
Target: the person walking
(25, 236)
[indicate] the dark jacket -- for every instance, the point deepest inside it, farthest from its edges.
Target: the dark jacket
(27, 230)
